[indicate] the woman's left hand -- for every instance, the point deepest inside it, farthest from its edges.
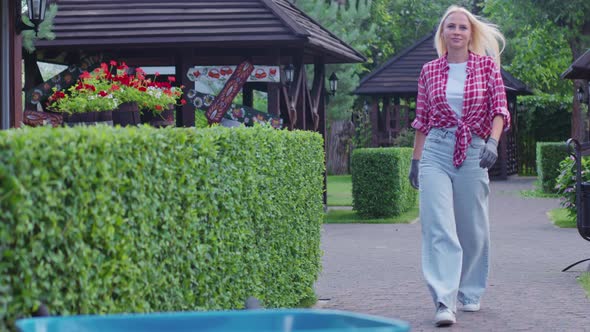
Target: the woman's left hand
(488, 153)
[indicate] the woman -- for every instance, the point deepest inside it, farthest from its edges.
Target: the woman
(460, 114)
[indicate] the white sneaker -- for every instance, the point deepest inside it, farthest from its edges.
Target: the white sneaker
(444, 316)
(471, 307)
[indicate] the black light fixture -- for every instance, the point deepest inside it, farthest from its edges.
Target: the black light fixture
(289, 72)
(36, 10)
(581, 96)
(333, 83)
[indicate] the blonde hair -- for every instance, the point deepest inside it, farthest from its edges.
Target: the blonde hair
(485, 37)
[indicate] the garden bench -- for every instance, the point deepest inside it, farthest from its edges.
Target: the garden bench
(577, 151)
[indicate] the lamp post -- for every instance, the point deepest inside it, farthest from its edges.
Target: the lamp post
(333, 83)
(36, 12)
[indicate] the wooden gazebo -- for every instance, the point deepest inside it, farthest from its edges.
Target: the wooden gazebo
(186, 33)
(392, 90)
(580, 68)
(579, 71)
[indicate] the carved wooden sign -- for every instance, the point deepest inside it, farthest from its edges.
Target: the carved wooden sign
(232, 87)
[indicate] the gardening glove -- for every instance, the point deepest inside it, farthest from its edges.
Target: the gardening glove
(488, 153)
(414, 173)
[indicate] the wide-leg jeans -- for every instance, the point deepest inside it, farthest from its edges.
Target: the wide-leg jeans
(454, 219)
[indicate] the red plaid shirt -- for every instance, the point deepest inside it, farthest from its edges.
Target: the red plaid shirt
(484, 98)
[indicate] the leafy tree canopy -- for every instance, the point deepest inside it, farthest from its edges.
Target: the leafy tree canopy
(352, 24)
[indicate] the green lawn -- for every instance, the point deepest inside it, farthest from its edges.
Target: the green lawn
(350, 217)
(537, 192)
(340, 194)
(339, 190)
(561, 218)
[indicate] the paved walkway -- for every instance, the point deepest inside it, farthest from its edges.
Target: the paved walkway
(375, 269)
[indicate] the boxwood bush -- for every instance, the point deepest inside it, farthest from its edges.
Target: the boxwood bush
(549, 155)
(106, 220)
(380, 186)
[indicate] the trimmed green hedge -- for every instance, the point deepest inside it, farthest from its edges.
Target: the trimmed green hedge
(380, 186)
(107, 220)
(549, 155)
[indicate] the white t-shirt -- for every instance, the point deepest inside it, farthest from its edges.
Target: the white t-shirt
(456, 86)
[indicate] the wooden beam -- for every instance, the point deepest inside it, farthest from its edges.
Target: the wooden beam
(185, 115)
(4, 64)
(319, 102)
(32, 72)
(15, 112)
(318, 90)
(273, 90)
(290, 109)
(248, 95)
(16, 118)
(374, 116)
(387, 110)
(300, 97)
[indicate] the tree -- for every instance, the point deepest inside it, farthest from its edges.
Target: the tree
(352, 25)
(402, 22)
(546, 36)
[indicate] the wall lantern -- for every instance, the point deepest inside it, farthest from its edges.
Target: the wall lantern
(289, 72)
(36, 11)
(333, 83)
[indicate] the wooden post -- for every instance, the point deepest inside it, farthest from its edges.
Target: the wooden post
(12, 108)
(5, 63)
(185, 115)
(274, 89)
(374, 116)
(319, 70)
(296, 92)
(32, 72)
(397, 108)
(16, 118)
(248, 95)
(577, 130)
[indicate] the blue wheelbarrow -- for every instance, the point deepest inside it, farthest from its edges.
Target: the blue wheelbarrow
(280, 320)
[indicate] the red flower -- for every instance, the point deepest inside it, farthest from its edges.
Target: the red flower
(182, 102)
(85, 75)
(113, 63)
(115, 87)
(159, 107)
(103, 93)
(171, 79)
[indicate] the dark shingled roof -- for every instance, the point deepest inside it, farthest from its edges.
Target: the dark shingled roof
(198, 24)
(580, 69)
(399, 75)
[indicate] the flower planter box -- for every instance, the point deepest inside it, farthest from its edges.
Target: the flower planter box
(158, 120)
(88, 118)
(126, 115)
